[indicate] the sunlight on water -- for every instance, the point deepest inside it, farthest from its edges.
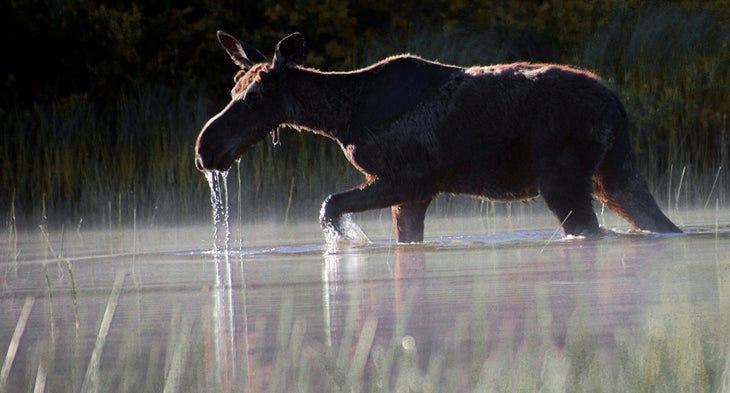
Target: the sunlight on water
(223, 318)
(218, 183)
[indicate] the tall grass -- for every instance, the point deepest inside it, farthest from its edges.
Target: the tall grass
(99, 167)
(673, 70)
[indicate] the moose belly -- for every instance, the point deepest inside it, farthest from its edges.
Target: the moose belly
(495, 184)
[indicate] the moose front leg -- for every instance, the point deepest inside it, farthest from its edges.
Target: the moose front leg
(409, 198)
(408, 221)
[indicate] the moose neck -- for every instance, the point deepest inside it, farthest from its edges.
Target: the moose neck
(322, 102)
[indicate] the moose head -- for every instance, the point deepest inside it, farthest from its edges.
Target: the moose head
(258, 102)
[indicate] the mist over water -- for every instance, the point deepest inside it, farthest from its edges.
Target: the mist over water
(492, 300)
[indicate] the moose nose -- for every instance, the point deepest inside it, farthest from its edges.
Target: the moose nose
(199, 163)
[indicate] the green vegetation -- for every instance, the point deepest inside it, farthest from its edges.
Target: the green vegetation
(664, 61)
(99, 119)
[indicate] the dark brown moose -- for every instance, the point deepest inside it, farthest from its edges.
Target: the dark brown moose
(416, 128)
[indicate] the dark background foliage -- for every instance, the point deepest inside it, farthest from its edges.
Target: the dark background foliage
(101, 100)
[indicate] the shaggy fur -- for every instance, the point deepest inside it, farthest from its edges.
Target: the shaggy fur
(416, 128)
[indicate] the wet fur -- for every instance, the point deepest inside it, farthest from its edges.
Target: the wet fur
(416, 128)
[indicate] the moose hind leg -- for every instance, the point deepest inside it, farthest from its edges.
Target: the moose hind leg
(566, 186)
(573, 208)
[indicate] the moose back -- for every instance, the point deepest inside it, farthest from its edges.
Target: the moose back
(416, 128)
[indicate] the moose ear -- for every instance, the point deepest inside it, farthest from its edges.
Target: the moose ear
(243, 54)
(288, 51)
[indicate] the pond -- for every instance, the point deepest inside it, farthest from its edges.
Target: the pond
(484, 304)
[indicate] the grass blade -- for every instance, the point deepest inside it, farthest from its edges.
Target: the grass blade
(15, 341)
(180, 356)
(91, 380)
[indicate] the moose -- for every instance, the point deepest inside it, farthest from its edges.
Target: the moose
(416, 128)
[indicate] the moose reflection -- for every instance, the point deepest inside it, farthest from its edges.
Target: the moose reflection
(417, 128)
(507, 310)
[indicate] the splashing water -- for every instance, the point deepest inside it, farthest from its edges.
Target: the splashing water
(218, 183)
(351, 234)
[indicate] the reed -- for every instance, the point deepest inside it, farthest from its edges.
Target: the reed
(41, 377)
(9, 256)
(665, 63)
(179, 356)
(15, 342)
(92, 379)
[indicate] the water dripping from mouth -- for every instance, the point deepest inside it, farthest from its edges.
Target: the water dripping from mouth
(218, 183)
(223, 311)
(238, 205)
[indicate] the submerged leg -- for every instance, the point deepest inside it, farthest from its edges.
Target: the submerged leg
(573, 209)
(408, 221)
(565, 182)
(376, 194)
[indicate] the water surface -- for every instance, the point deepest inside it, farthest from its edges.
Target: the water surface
(484, 304)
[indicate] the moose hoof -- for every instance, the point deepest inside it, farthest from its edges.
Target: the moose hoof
(343, 230)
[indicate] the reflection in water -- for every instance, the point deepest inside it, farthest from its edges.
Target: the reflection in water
(506, 313)
(329, 290)
(518, 301)
(223, 319)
